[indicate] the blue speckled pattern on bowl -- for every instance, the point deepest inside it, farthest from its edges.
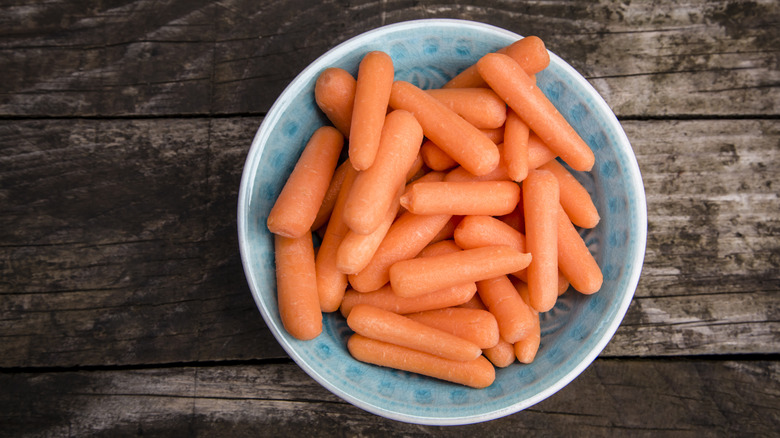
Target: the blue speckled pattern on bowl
(428, 53)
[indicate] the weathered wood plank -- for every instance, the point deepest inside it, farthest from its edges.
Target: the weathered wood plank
(640, 397)
(118, 242)
(235, 56)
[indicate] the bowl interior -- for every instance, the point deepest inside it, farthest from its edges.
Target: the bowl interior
(428, 53)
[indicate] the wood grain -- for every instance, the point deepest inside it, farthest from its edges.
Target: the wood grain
(119, 242)
(649, 398)
(175, 57)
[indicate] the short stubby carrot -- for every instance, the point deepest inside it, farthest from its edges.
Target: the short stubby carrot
(458, 138)
(479, 106)
(422, 275)
(514, 316)
(334, 92)
(332, 283)
(374, 188)
(478, 231)
(385, 298)
(448, 232)
(538, 152)
(296, 286)
(526, 348)
(382, 325)
(408, 235)
(435, 158)
(503, 353)
(575, 260)
(575, 199)
(474, 325)
(462, 198)
(515, 151)
(417, 170)
(517, 89)
(496, 135)
(372, 93)
(515, 219)
(326, 208)
(297, 205)
(477, 373)
(541, 205)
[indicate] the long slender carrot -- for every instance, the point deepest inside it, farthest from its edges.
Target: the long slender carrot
(374, 188)
(296, 207)
(326, 208)
(541, 205)
(574, 259)
(517, 89)
(479, 106)
(477, 373)
(435, 158)
(575, 199)
(458, 138)
(408, 235)
(477, 326)
(462, 198)
(332, 283)
(503, 353)
(422, 275)
(372, 93)
(375, 323)
(385, 298)
(515, 146)
(514, 316)
(334, 92)
(296, 286)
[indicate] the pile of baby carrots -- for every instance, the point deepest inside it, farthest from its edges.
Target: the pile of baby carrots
(450, 226)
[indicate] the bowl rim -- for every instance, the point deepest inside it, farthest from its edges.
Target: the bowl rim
(258, 145)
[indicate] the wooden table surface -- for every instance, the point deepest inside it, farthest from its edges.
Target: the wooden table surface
(124, 126)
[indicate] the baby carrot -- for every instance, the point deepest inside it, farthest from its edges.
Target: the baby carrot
(417, 170)
(462, 198)
(541, 205)
(458, 138)
(459, 174)
(474, 325)
(372, 93)
(496, 135)
(435, 158)
(477, 373)
(538, 152)
(526, 348)
(479, 106)
(296, 286)
(422, 275)
(326, 208)
(375, 323)
(517, 89)
(574, 259)
(331, 283)
(448, 232)
(503, 353)
(515, 147)
(478, 231)
(408, 235)
(575, 199)
(374, 188)
(514, 316)
(385, 298)
(334, 93)
(296, 207)
(515, 219)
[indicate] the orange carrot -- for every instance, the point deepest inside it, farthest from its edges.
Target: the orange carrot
(409, 234)
(417, 170)
(526, 348)
(517, 89)
(575, 199)
(495, 135)
(462, 198)
(422, 275)
(459, 174)
(515, 219)
(514, 316)
(432, 176)
(296, 286)
(541, 205)
(296, 207)
(458, 138)
(574, 259)
(385, 298)
(515, 147)
(326, 208)
(332, 283)
(356, 250)
(448, 231)
(538, 152)
(479, 106)
(435, 158)
(374, 188)
(478, 373)
(375, 323)
(372, 93)
(503, 353)
(477, 326)
(334, 93)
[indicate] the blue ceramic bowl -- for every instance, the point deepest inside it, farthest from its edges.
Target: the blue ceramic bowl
(428, 53)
